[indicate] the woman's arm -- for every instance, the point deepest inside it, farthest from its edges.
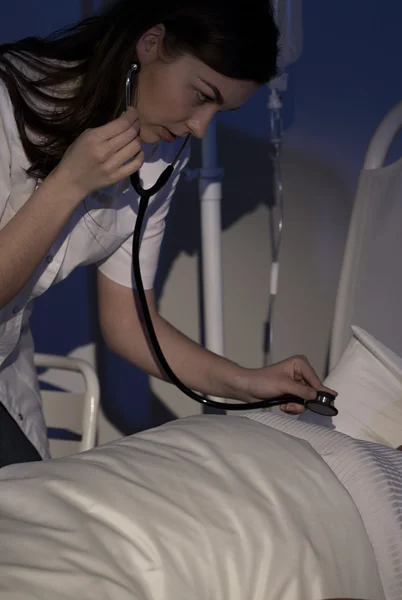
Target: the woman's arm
(124, 333)
(25, 239)
(98, 158)
(198, 368)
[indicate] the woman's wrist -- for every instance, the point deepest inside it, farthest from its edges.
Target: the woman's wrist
(64, 188)
(235, 382)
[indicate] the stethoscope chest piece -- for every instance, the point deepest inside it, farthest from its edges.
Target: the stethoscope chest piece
(323, 404)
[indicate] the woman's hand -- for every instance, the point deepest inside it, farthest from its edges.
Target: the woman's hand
(294, 376)
(102, 156)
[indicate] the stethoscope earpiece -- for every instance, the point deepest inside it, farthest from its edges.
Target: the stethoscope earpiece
(134, 68)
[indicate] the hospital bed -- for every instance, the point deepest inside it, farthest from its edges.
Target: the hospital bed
(255, 506)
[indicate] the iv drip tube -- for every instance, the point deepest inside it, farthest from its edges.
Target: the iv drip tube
(275, 105)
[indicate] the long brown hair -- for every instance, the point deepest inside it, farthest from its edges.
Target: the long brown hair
(91, 59)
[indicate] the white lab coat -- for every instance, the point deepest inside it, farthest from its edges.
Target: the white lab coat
(99, 231)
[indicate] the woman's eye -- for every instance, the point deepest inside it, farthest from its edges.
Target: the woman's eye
(202, 98)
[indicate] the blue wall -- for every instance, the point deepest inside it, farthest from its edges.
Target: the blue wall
(348, 76)
(25, 18)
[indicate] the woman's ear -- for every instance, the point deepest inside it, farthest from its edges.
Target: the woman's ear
(149, 46)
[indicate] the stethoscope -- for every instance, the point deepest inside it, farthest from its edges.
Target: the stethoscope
(322, 404)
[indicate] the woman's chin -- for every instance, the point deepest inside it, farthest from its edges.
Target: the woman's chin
(148, 136)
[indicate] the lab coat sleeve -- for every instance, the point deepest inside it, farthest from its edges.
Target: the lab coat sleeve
(118, 266)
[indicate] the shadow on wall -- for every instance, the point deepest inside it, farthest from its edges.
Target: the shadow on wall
(247, 184)
(317, 212)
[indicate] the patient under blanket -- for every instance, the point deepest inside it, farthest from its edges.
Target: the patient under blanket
(226, 507)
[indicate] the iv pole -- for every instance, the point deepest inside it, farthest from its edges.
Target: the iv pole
(210, 190)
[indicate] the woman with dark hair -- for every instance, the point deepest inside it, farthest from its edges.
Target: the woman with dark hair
(67, 149)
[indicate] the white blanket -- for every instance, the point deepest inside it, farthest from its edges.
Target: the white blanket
(214, 508)
(372, 474)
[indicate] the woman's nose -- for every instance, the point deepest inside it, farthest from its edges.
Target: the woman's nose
(199, 123)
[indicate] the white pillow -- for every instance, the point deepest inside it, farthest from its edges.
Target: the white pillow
(368, 379)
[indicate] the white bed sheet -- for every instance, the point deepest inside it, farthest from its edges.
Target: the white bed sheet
(207, 507)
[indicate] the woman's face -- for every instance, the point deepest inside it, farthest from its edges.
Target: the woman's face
(178, 97)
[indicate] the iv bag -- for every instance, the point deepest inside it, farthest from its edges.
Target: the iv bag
(288, 17)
